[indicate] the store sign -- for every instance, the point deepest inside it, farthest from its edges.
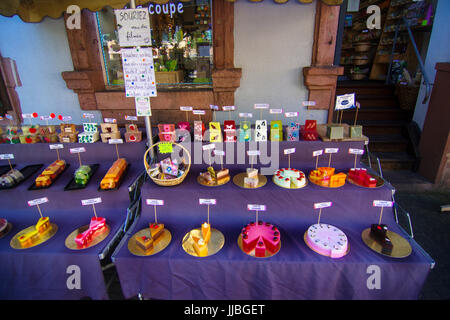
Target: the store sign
(133, 27)
(138, 72)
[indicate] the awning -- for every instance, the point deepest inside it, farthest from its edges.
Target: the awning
(36, 10)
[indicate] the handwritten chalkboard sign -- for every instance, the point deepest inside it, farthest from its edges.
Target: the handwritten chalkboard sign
(133, 27)
(138, 72)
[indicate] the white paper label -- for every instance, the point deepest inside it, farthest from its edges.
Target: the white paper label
(320, 205)
(115, 141)
(198, 112)
(37, 201)
(253, 152)
(154, 202)
(56, 146)
(143, 107)
(331, 150)
(276, 111)
(110, 120)
(228, 108)
(261, 106)
(356, 151)
(382, 203)
(8, 116)
(131, 118)
(207, 201)
(45, 118)
(246, 115)
(209, 146)
(317, 153)
(66, 118)
(77, 150)
(309, 103)
(291, 114)
(289, 151)
(256, 207)
(92, 201)
(88, 115)
(133, 27)
(345, 101)
(186, 108)
(213, 107)
(27, 116)
(6, 156)
(138, 72)
(219, 152)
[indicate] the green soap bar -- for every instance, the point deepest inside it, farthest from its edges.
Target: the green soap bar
(355, 131)
(335, 131)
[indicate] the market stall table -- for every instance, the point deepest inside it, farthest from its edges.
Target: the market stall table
(50, 270)
(295, 272)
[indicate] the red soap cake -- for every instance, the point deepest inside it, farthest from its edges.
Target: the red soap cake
(263, 237)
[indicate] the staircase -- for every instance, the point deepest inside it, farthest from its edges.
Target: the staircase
(387, 126)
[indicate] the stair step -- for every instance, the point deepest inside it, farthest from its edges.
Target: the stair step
(377, 114)
(381, 103)
(393, 143)
(380, 128)
(393, 160)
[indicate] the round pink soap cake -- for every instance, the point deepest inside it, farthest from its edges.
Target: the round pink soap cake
(327, 240)
(262, 237)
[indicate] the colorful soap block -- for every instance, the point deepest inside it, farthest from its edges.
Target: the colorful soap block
(88, 137)
(309, 131)
(109, 127)
(90, 127)
(293, 131)
(11, 130)
(49, 137)
(30, 138)
(356, 131)
(11, 139)
(215, 132)
(131, 127)
(133, 136)
(45, 130)
(109, 135)
(166, 132)
(68, 128)
(261, 130)
(30, 129)
(199, 130)
(229, 127)
(245, 130)
(68, 137)
(276, 130)
(335, 131)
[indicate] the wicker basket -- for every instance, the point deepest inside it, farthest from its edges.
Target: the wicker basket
(407, 96)
(170, 182)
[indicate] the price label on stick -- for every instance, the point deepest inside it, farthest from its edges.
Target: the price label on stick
(253, 152)
(228, 108)
(88, 202)
(77, 150)
(36, 202)
(110, 120)
(219, 152)
(331, 150)
(131, 118)
(7, 156)
(213, 107)
(356, 151)
(320, 205)
(289, 151)
(317, 153)
(383, 203)
(88, 115)
(186, 108)
(276, 111)
(291, 114)
(154, 202)
(208, 146)
(308, 103)
(245, 115)
(56, 146)
(207, 201)
(261, 106)
(27, 116)
(256, 207)
(115, 141)
(198, 112)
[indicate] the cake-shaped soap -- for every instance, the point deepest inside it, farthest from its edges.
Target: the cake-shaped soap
(326, 177)
(262, 237)
(378, 232)
(11, 178)
(50, 173)
(3, 225)
(214, 178)
(96, 227)
(115, 172)
(200, 244)
(327, 240)
(362, 178)
(289, 178)
(82, 175)
(42, 227)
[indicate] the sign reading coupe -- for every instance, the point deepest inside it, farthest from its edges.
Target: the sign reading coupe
(168, 8)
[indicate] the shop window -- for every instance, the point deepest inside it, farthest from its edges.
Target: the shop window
(181, 41)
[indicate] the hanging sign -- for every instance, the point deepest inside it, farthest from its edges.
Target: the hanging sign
(133, 27)
(143, 107)
(138, 72)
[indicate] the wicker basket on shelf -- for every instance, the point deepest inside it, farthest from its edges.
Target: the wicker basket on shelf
(169, 182)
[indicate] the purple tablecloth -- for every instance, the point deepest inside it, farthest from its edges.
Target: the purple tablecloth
(295, 272)
(50, 270)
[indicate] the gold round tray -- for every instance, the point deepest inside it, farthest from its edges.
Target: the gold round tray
(203, 183)
(96, 239)
(159, 245)
(401, 247)
(380, 182)
(6, 230)
(348, 247)
(322, 185)
(239, 180)
(306, 183)
(252, 253)
(15, 244)
(214, 245)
